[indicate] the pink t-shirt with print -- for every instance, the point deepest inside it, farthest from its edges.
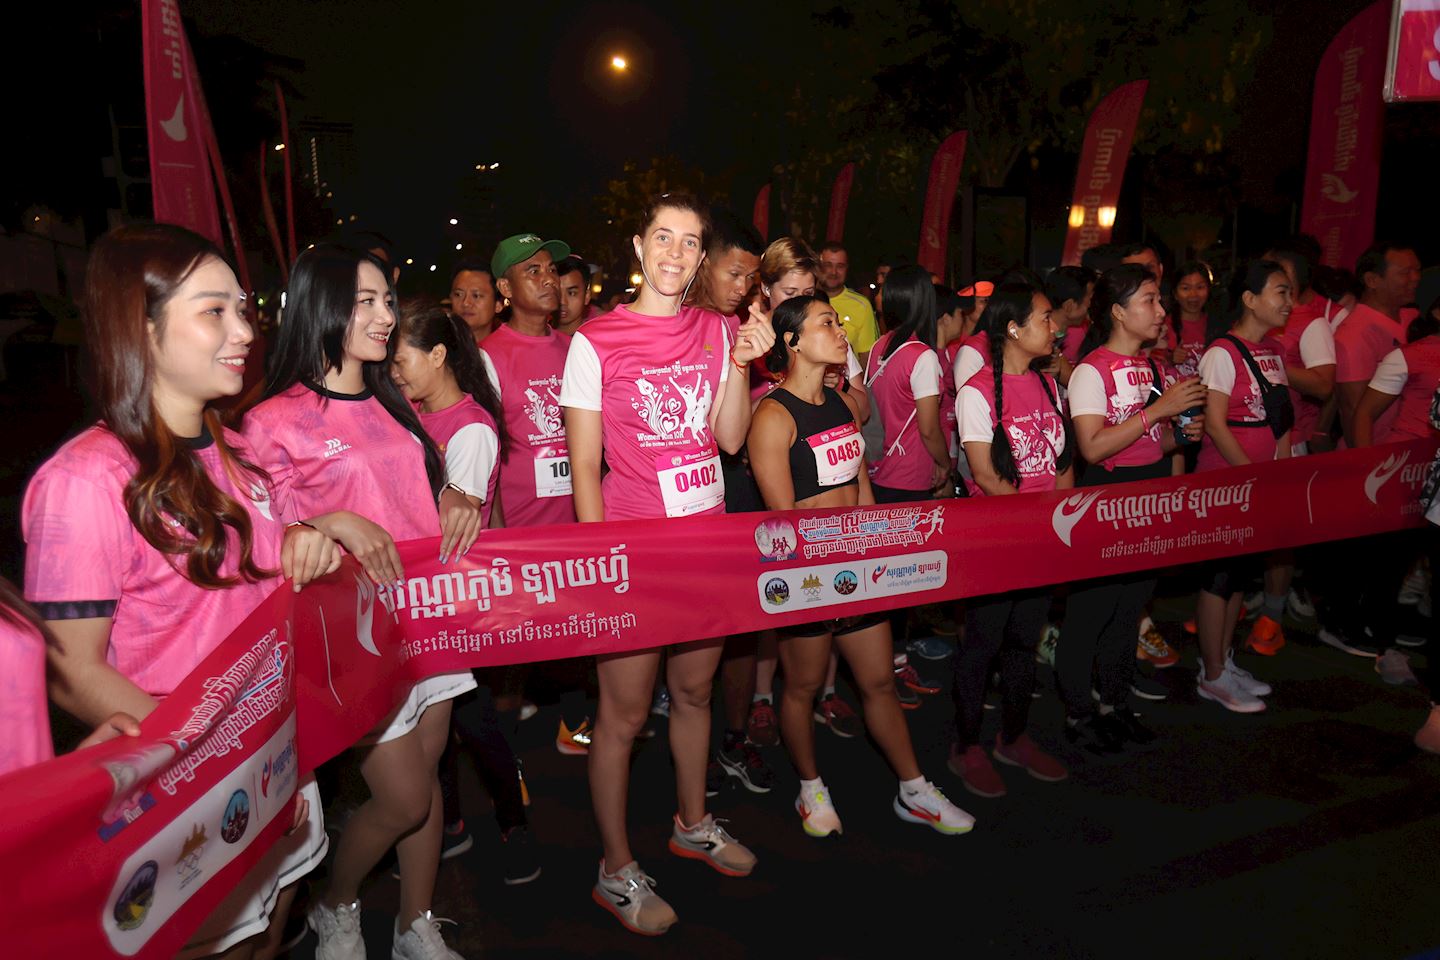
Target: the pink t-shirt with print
(1361, 341)
(85, 559)
(535, 468)
(1031, 420)
(24, 709)
(1307, 342)
(465, 434)
(1115, 386)
(1192, 339)
(1222, 369)
(911, 373)
(334, 451)
(653, 380)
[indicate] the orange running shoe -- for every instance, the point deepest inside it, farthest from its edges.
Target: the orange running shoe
(573, 743)
(1153, 649)
(1265, 637)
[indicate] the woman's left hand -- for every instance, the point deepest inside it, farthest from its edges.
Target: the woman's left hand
(459, 523)
(754, 338)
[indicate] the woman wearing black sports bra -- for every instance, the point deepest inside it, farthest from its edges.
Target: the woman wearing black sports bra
(807, 452)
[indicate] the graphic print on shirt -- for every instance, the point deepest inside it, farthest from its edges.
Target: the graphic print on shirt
(544, 411)
(1034, 440)
(669, 417)
(1274, 371)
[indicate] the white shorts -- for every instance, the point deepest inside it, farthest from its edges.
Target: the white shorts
(245, 911)
(404, 718)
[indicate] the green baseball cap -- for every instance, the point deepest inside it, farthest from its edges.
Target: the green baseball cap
(522, 247)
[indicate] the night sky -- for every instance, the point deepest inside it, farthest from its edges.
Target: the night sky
(434, 88)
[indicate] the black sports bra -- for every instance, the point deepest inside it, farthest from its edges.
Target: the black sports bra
(828, 452)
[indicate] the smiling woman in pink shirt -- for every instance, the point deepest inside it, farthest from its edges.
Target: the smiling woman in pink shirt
(645, 388)
(152, 534)
(361, 468)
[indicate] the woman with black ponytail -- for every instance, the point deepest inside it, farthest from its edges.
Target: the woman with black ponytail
(335, 428)
(1016, 441)
(1122, 403)
(806, 451)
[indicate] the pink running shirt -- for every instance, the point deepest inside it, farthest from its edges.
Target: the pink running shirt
(1223, 369)
(911, 373)
(1035, 428)
(1192, 338)
(1074, 337)
(85, 559)
(653, 380)
(24, 709)
(535, 469)
(973, 354)
(1411, 373)
(949, 394)
(1361, 341)
(1117, 387)
(335, 451)
(1307, 342)
(465, 434)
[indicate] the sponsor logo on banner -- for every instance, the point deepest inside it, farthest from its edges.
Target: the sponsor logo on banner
(1383, 471)
(906, 573)
(237, 817)
(187, 865)
(279, 768)
(1071, 511)
(777, 591)
(1155, 513)
(776, 540)
(134, 903)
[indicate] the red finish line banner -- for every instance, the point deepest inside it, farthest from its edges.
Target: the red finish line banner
(146, 835)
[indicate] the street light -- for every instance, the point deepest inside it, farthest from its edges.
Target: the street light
(1106, 217)
(454, 222)
(459, 246)
(618, 62)
(1077, 217)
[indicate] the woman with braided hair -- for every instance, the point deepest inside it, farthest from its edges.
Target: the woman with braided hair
(1017, 440)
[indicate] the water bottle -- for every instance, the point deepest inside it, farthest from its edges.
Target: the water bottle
(1183, 420)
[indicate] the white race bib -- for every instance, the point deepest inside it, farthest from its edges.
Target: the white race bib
(690, 482)
(552, 477)
(838, 452)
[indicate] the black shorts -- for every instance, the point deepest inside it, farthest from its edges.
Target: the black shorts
(838, 626)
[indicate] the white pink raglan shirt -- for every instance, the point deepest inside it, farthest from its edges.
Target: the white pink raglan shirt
(85, 559)
(1115, 386)
(653, 380)
(535, 469)
(1307, 342)
(1411, 373)
(911, 373)
(465, 434)
(1224, 370)
(1033, 422)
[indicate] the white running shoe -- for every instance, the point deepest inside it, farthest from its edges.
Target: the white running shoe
(930, 807)
(1246, 679)
(710, 843)
(1227, 691)
(422, 940)
(1299, 605)
(817, 811)
(630, 895)
(338, 930)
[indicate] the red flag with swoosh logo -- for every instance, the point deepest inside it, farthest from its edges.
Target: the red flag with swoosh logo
(179, 163)
(839, 204)
(1342, 171)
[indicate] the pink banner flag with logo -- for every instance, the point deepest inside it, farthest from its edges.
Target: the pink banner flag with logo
(839, 204)
(762, 213)
(179, 163)
(144, 836)
(217, 167)
(1413, 69)
(1342, 168)
(939, 198)
(1104, 153)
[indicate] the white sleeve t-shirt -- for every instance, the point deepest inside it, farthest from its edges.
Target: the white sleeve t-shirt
(976, 420)
(1087, 393)
(1391, 374)
(1217, 371)
(471, 457)
(1317, 346)
(925, 376)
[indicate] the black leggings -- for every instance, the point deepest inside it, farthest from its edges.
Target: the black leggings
(1008, 626)
(476, 729)
(1102, 618)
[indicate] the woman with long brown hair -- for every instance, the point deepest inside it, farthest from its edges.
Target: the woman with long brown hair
(152, 533)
